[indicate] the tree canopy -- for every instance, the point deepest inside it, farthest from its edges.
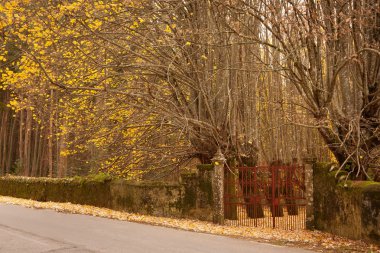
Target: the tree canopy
(118, 85)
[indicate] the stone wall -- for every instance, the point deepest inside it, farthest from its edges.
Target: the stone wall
(187, 198)
(153, 198)
(198, 200)
(348, 208)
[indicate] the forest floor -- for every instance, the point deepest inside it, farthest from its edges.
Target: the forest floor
(313, 240)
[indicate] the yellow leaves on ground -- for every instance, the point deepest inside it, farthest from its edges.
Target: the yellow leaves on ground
(168, 29)
(314, 240)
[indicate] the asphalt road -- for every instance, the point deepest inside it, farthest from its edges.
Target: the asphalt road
(30, 230)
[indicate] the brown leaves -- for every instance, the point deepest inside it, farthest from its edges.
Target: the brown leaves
(314, 240)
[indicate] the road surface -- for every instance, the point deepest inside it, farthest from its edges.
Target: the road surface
(36, 230)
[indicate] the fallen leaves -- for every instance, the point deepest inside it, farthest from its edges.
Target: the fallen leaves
(315, 240)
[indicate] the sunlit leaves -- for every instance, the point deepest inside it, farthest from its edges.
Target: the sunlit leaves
(59, 49)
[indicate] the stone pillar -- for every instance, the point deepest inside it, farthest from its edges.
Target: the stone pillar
(309, 192)
(218, 187)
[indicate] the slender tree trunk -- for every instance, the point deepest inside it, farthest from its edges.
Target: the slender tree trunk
(34, 162)
(20, 164)
(27, 142)
(50, 136)
(3, 140)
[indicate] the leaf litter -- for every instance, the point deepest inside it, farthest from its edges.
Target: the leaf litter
(313, 240)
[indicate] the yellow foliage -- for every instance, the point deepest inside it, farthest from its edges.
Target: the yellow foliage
(168, 29)
(62, 49)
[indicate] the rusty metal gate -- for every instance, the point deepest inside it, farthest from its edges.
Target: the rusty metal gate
(265, 196)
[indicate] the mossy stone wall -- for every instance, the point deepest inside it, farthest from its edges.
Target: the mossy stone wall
(152, 198)
(198, 196)
(349, 208)
(89, 192)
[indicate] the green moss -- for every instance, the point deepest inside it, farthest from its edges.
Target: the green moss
(359, 186)
(126, 201)
(345, 207)
(323, 166)
(75, 190)
(365, 184)
(156, 197)
(162, 184)
(205, 167)
(332, 173)
(205, 186)
(100, 177)
(368, 186)
(78, 179)
(189, 200)
(185, 175)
